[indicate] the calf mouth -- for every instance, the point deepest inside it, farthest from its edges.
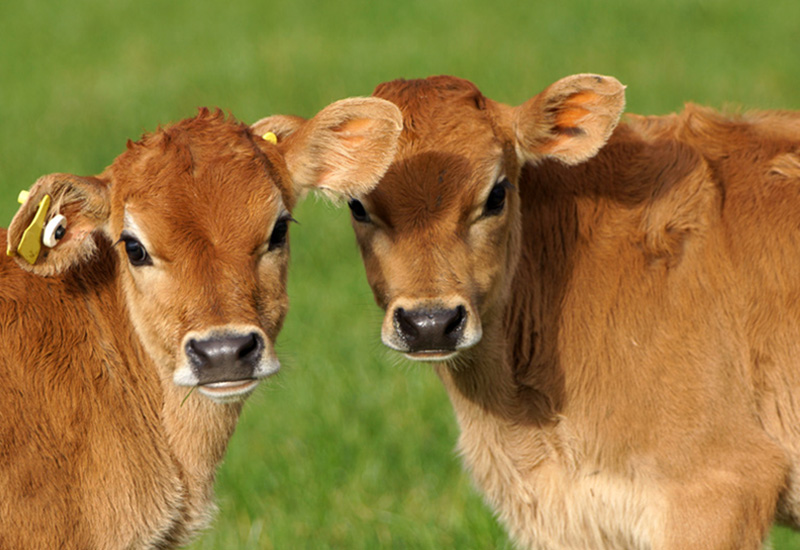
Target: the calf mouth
(431, 355)
(228, 391)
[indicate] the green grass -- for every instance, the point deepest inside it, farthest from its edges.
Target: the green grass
(347, 448)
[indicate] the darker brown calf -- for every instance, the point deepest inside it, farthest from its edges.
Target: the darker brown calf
(126, 291)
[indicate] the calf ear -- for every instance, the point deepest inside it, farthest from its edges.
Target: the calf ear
(570, 120)
(345, 149)
(52, 230)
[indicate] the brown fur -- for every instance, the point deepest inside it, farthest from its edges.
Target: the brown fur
(635, 378)
(99, 448)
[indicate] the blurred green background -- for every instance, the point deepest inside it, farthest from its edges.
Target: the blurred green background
(349, 447)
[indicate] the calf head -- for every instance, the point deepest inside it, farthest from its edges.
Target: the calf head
(440, 235)
(199, 214)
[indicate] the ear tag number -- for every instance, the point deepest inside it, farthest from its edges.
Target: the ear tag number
(30, 244)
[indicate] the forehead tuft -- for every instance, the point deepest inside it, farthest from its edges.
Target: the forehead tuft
(199, 155)
(201, 178)
(439, 107)
(208, 127)
(434, 89)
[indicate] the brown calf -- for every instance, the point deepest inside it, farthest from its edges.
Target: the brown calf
(168, 274)
(619, 336)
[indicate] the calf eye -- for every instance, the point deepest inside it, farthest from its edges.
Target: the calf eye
(358, 211)
(497, 198)
(137, 254)
(279, 232)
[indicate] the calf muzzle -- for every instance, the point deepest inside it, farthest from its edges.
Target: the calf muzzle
(430, 330)
(225, 357)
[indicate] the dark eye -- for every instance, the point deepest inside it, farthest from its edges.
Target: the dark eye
(279, 233)
(497, 198)
(137, 254)
(358, 211)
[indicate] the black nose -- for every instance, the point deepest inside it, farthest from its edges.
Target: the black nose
(225, 357)
(430, 329)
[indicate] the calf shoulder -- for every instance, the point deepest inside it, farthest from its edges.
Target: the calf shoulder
(82, 456)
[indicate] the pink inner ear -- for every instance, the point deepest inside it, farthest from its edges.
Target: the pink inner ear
(568, 119)
(356, 125)
(354, 131)
(573, 110)
(358, 128)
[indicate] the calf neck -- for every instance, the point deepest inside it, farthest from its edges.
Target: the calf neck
(610, 307)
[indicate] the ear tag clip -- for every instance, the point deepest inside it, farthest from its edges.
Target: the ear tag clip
(270, 137)
(54, 231)
(30, 243)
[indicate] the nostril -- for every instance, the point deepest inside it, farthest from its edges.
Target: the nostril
(193, 350)
(250, 346)
(456, 324)
(404, 325)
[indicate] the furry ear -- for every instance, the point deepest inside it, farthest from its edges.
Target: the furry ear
(342, 151)
(570, 120)
(52, 230)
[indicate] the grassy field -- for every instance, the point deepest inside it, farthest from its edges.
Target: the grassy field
(349, 447)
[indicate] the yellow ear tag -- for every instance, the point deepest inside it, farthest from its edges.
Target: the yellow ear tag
(21, 198)
(270, 137)
(31, 242)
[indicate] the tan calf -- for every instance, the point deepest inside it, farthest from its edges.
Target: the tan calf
(619, 334)
(167, 273)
